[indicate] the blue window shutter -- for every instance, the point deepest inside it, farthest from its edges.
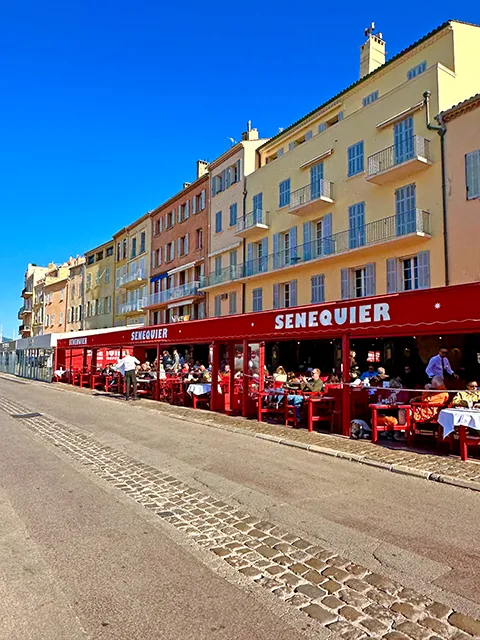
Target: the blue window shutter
(293, 244)
(370, 286)
(276, 250)
(276, 296)
(472, 171)
(327, 240)
(322, 288)
(307, 241)
(345, 276)
(392, 282)
(249, 259)
(293, 293)
(264, 265)
(424, 270)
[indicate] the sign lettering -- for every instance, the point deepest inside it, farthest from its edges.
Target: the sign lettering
(362, 314)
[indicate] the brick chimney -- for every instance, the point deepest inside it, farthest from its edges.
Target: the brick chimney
(372, 53)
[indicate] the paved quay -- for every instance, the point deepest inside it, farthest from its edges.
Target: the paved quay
(316, 544)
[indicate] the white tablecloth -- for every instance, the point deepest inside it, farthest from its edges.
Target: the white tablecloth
(451, 418)
(199, 389)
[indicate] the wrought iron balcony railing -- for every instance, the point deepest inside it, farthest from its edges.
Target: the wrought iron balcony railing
(175, 293)
(414, 147)
(311, 192)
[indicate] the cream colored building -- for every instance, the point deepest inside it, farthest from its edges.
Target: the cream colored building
(353, 189)
(228, 222)
(55, 298)
(132, 272)
(30, 312)
(99, 286)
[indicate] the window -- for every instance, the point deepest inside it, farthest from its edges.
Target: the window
(88, 309)
(109, 251)
(119, 251)
(199, 235)
(218, 265)
(157, 226)
(356, 220)
(97, 278)
(203, 200)
(169, 251)
(358, 282)
(89, 280)
(280, 152)
(217, 306)
(99, 256)
(107, 275)
(322, 126)
(108, 304)
(134, 248)
(370, 98)
(233, 258)
(355, 159)
(285, 294)
(403, 141)
(407, 274)
(80, 313)
(472, 171)
(405, 210)
(257, 299)
(258, 208)
(232, 302)
(308, 135)
(316, 181)
(124, 249)
(233, 214)
(142, 242)
(284, 193)
(183, 245)
(47, 320)
(417, 70)
(218, 222)
(60, 318)
(52, 319)
(90, 259)
(101, 307)
(318, 289)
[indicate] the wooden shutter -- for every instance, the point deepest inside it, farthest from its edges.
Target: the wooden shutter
(179, 213)
(194, 205)
(185, 245)
(249, 259)
(264, 265)
(202, 200)
(293, 245)
(327, 241)
(370, 279)
(293, 293)
(276, 296)
(392, 275)
(307, 241)
(276, 250)
(187, 209)
(424, 270)
(345, 278)
(472, 169)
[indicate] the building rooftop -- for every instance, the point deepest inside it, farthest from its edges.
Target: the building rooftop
(460, 108)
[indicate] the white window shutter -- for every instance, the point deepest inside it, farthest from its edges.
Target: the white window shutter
(179, 213)
(276, 296)
(472, 167)
(194, 205)
(173, 250)
(345, 277)
(202, 200)
(187, 209)
(173, 217)
(424, 270)
(370, 286)
(159, 256)
(293, 293)
(179, 246)
(392, 275)
(186, 244)
(153, 259)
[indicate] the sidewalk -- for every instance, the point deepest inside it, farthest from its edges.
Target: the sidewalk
(395, 458)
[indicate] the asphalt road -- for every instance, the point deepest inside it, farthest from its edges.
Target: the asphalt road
(81, 559)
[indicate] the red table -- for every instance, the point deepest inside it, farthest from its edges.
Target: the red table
(326, 406)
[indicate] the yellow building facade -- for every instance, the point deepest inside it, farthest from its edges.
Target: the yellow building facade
(132, 272)
(347, 202)
(99, 286)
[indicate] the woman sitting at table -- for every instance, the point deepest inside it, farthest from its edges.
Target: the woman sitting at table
(431, 401)
(469, 399)
(280, 376)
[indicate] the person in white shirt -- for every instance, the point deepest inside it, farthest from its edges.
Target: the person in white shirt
(126, 366)
(439, 365)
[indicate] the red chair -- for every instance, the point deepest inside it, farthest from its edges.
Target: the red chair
(424, 421)
(269, 403)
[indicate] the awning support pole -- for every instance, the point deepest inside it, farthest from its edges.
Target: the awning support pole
(346, 385)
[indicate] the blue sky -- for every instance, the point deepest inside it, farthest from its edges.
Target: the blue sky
(106, 106)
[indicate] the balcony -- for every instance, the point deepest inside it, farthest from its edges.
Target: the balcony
(130, 279)
(393, 229)
(21, 311)
(26, 293)
(187, 290)
(131, 307)
(311, 198)
(252, 223)
(399, 161)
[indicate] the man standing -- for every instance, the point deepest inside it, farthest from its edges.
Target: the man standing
(127, 364)
(439, 365)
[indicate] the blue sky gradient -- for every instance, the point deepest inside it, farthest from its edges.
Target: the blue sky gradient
(106, 106)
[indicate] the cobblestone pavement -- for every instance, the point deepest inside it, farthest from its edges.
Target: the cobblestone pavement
(343, 597)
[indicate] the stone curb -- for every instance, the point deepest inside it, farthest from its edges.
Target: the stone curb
(352, 457)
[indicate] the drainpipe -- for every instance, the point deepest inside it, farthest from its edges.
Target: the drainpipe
(244, 242)
(441, 130)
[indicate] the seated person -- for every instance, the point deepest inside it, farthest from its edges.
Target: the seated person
(315, 384)
(433, 399)
(293, 382)
(333, 379)
(205, 375)
(381, 374)
(369, 373)
(280, 375)
(468, 399)
(225, 372)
